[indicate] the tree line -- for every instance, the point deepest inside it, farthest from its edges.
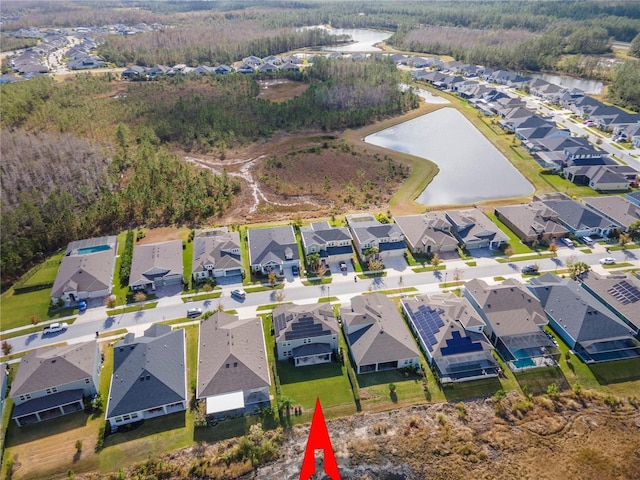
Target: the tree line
(120, 174)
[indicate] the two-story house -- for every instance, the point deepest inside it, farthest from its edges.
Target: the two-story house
(306, 334)
(216, 253)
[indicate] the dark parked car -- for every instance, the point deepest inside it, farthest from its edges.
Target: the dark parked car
(295, 270)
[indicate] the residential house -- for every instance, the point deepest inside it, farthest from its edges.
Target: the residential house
(450, 333)
(216, 254)
(290, 67)
(149, 376)
(475, 230)
(427, 233)
(377, 335)
(272, 249)
(203, 70)
(305, 334)
(369, 233)
(268, 68)
(583, 106)
(157, 71)
(252, 60)
(579, 220)
(223, 69)
(619, 292)
(156, 265)
(513, 322)
(601, 178)
(135, 72)
(233, 370)
(633, 197)
(592, 331)
(272, 59)
(54, 381)
(616, 209)
(333, 244)
(86, 270)
(532, 222)
(246, 69)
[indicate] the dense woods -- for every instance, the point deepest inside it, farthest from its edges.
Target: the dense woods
(209, 44)
(216, 112)
(58, 187)
(89, 155)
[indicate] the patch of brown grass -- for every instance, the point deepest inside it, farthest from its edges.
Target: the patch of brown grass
(281, 89)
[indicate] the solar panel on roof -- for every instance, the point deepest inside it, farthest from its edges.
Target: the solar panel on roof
(625, 292)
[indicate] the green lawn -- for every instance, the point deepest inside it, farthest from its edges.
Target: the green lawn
(187, 260)
(514, 241)
(45, 273)
(375, 394)
(16, 310)
(563, 185)
(327, 381)
(535, 256)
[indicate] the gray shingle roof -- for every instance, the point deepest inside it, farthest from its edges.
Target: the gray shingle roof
(509, 308)
(83, 271)
(292, 322)
(532, 219)
(272, 244)
(155, 260)
(148, 371)
(616, 208)
(54, 366)
(620, 291)
(577, 216)
(580, 315)
(385, 336)
(321, 233)
(472, 224)
(431, 228)
(216, 248)
(231, 355)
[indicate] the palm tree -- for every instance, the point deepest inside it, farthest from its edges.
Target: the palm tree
(313, 259)
(285, 403)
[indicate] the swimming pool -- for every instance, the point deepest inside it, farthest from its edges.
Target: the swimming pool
(94, 249)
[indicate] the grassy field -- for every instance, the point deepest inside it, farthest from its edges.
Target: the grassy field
(17, 310)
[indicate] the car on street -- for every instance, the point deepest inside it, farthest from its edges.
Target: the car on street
(529, 269)
(55, 328)
(238, 293)
(194, 312)
(607, 261)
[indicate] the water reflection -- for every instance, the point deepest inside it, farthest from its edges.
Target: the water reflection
(364, 40)
(471, 168)
(587, 86)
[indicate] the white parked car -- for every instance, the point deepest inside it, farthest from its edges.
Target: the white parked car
(238, 292)
(568, 242)
(55, 328)
(607, 261)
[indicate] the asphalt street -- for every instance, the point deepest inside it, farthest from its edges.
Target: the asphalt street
(342, 288)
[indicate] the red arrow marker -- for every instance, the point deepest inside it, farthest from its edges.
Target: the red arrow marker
(319, 440)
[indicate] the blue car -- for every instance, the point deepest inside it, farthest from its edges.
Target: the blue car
(82, 306)
(295, 270)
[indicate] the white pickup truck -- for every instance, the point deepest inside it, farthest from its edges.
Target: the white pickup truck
(54, 328)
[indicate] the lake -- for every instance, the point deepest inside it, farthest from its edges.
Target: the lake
(471, 168)
(363, 39)
(587, 86)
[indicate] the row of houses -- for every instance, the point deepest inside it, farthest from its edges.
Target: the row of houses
(555, 216)
(596, 317)
(86, 270)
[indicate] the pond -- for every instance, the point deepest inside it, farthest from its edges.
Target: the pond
(363, 39)
(471, 168)
(587, 86)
